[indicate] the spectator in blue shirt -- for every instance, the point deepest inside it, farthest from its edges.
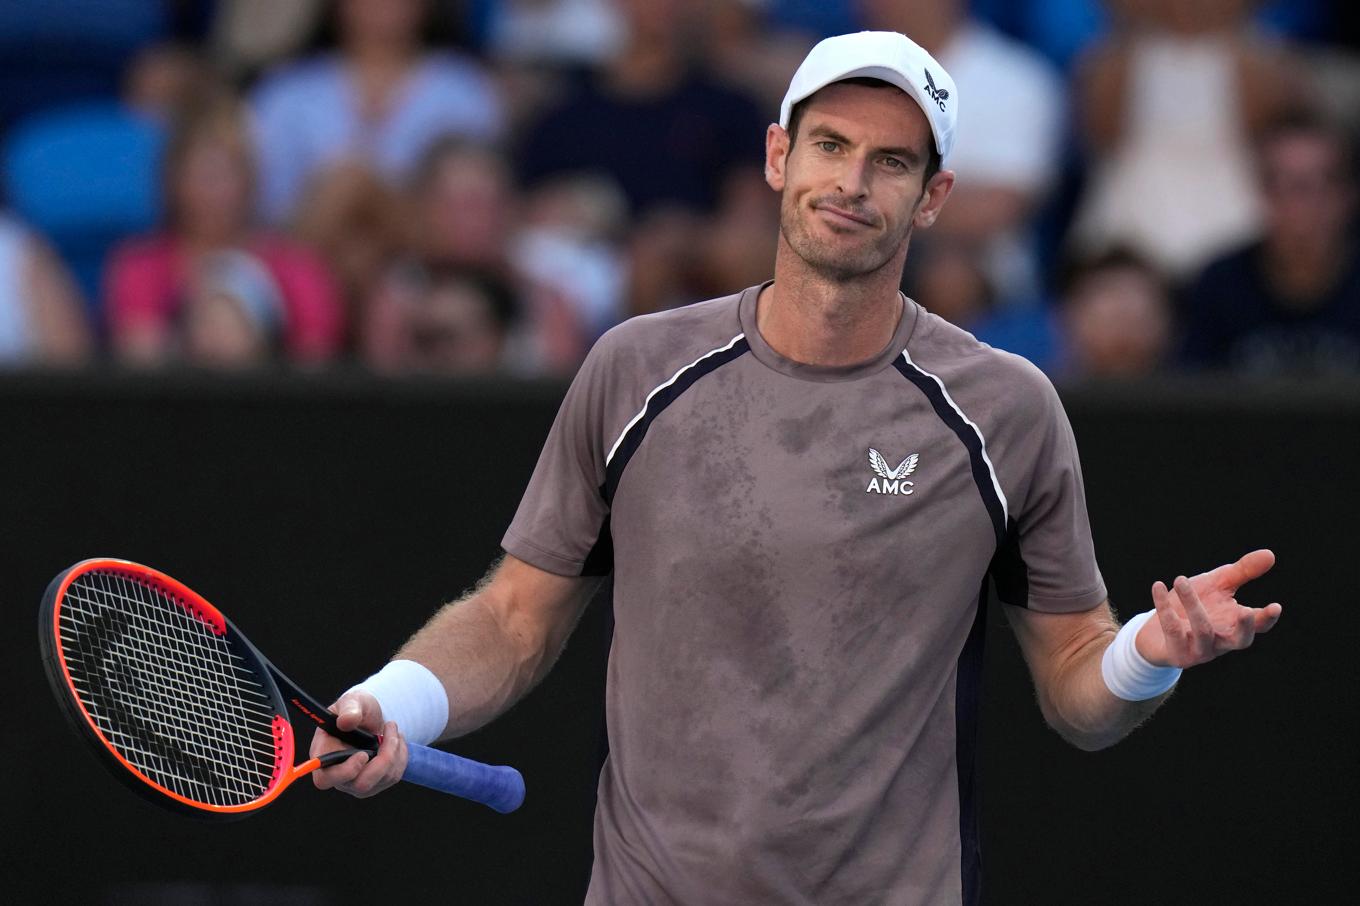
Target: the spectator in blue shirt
(381, 99)
(664, 131)
(1289, 302)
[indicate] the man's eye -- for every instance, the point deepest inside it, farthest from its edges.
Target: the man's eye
(894, 163)
(828, 147)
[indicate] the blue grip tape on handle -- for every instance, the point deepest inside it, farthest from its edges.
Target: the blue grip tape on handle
(497, 786)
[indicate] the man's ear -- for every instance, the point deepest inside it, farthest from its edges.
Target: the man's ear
(933, 199)
(776, 155)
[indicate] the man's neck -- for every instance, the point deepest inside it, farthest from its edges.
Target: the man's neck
(379, 58)
(817, 321)
(1302, 273)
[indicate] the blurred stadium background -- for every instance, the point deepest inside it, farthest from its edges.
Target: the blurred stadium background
(289, 290)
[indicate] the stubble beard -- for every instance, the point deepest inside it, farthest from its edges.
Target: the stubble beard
(837, 262)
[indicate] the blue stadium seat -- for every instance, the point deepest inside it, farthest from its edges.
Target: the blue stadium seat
(59, 51)
(87, 177)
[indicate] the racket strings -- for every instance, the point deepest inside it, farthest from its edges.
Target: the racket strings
(193, 740)
(162, 685)
(166, 691)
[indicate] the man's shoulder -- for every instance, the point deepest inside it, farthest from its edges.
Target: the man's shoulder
(638, 358)
(1001, 381)
(676, 334)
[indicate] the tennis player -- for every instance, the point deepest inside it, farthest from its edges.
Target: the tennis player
(806, 492)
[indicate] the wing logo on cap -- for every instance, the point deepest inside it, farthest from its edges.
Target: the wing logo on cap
(938, 95)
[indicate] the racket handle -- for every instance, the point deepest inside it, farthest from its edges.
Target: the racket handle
(496, 786)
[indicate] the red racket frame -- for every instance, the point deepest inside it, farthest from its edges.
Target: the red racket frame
(285, 772)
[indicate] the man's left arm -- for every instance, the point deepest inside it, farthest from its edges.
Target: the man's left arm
(1195, 621)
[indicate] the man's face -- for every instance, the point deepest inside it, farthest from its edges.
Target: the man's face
(1308, 196)
(852, 179)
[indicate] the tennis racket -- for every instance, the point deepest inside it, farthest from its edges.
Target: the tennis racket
(178, 704)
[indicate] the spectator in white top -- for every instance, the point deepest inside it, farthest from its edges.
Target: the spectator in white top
(381, 99)
(1169, 104)
(1010, 129)
(42, 318)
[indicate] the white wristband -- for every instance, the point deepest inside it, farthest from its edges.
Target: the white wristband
(1127, 673)
(413, 697)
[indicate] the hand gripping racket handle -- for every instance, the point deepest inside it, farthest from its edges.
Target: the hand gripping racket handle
(497, 786)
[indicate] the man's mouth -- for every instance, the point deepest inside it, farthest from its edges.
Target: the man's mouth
(841, 215)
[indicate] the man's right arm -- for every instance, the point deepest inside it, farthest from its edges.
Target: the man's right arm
(487, 649)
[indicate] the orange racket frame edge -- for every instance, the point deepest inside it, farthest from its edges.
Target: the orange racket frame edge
(59, 677)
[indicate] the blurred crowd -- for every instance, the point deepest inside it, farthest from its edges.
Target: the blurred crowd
(478, 186)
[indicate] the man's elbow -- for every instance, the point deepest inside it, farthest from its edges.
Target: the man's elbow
(1090, 741)
(1087, 736)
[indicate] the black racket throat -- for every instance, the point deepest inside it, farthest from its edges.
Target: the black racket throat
(322, 717)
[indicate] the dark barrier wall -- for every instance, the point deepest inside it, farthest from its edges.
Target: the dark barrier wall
(329, 516)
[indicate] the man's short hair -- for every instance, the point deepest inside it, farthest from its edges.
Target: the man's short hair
(1078, 268)
(796, 115)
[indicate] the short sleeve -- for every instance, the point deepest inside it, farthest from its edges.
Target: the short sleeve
(562, 524)
(1048, 561)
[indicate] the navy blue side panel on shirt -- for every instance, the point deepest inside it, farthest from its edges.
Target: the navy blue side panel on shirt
(1007, 572)
(967, 699)
(600, 560)
(1008, 569)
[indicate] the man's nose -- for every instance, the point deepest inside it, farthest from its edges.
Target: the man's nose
(854, 177)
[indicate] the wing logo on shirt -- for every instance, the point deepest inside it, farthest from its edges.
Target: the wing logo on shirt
(888, 480)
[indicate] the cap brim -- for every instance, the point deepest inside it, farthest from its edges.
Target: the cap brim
(882, 73)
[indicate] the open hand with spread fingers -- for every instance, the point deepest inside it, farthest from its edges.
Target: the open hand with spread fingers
(1199, 617)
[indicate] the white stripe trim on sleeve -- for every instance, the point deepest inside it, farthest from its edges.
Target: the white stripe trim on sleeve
(657, 389)
(991, 470)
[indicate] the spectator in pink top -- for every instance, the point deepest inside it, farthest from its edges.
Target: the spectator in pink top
(209, 181)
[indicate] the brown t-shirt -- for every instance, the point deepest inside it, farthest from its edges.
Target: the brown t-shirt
(801, 555)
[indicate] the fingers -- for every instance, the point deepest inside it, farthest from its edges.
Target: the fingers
(340, 775)
(358, 710)
(363, 775)
(1174, 627)
(1234, 633)
(1248, 566)
(1202, 642)
(1188, 632)
(325, 778)
(349, 713)
(1266, 617)
(322, 742)
(385, 769)
(353, 710)
(1205, 641)
(1244, 630)
(1249, 623)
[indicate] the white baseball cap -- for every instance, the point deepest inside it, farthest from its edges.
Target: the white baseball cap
(887, 55)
